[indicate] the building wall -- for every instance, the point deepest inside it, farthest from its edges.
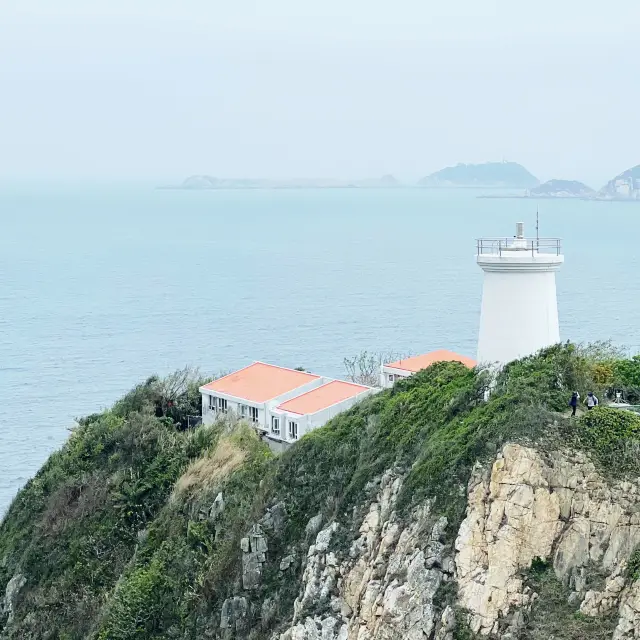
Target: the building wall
(277, 446)
(285, 417)
(233, 403)
(396, 373)
(209, 417)
(307, 423)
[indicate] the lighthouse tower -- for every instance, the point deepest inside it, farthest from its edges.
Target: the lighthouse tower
(519, 312)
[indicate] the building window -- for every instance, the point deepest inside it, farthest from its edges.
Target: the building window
(253, 414)
(390, 377)
(293, 430)
(212, 403)
(242, 410)
(275, 426)
(222, 405)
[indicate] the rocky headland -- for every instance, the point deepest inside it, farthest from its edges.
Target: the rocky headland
(427, 512)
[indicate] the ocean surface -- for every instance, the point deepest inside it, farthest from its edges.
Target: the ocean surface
(101, 287)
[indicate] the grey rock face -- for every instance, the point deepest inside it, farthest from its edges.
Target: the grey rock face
(275, 517)
(384, 590)
(254, 549)
(447, 625)
(314, 525)
(216, 508)
(11, 593)
(233, 616)
(286, 562)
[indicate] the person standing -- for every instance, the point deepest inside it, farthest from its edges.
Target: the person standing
(573, 403)
(591, 401)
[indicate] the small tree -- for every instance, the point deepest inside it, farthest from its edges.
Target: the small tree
(627, 377)
(364, 368)
(176, 396)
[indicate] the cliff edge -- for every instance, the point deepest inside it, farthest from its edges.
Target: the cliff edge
(425, 512)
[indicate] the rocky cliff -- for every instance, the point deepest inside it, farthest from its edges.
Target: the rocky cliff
(425, 513)
(526, 508)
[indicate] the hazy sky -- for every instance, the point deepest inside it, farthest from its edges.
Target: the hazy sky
(158, 89)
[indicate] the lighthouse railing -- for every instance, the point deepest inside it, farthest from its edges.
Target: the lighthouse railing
(498, 246)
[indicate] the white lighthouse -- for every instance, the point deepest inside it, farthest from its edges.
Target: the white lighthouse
(519, 312)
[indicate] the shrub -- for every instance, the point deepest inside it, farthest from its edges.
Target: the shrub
(633, 566)
(613, 437)
(554, 616)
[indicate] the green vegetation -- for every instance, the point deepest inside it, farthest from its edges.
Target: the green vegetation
(553, 615)
(626, 377)
(121, 534)
(633, 567)
(612, 436)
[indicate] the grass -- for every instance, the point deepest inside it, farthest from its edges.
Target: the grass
(206, 472)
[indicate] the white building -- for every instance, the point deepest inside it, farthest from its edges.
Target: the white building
(284, 404)
(519, 314)
(408, 366)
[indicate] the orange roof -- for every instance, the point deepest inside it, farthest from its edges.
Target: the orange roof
(322, 397)
(260, 382)
(416, 363)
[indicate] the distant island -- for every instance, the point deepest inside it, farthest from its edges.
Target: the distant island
(624, 187)
(489, 174)
(512, 176)
(205, 182)
(562, 189)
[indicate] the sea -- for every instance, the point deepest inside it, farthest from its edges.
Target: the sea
(102, 286)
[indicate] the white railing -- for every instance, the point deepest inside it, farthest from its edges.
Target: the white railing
(497, 246)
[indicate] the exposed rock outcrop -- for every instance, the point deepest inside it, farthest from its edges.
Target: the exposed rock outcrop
(217, 508)
(233, 616)
(385, 588)
(554, 507)
(524, 507)
(11, 593)
(254, 549)
(629, 621)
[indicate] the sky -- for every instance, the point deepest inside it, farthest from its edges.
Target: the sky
(158, 89)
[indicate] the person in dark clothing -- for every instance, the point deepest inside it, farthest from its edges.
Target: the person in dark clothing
(573, 403)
